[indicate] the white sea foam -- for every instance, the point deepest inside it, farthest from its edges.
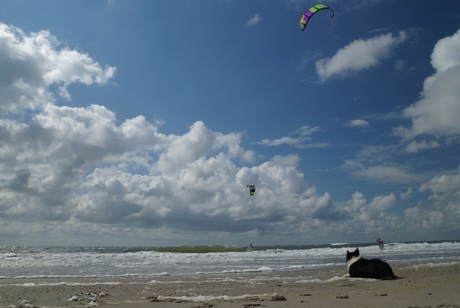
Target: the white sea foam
(250, 270)
(44, 284)
(333, 279)
(203, 298)
(106, 262)
(294, 267)
(440, 264)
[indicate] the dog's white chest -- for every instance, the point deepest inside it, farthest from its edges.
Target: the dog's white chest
(351, 261)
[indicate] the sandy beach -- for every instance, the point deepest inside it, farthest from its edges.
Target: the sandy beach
(432, 285)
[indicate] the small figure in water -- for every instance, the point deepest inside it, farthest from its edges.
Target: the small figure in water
(250, 245)
(379, 240)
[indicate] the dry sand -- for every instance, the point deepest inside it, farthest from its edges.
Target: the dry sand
(435, 285)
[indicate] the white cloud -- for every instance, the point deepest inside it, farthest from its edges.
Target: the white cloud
(254, 20)
(442, 214)
(359, 55)
(80, 168)
(378, 205)
(297, 142)
(187, 148)
(415, 146)
(299, 139)
(82, 176)
(385, 174)
(443, 183)
(378, 163)
(29, 64)
(307, 130)
(357, 201)
(436, 113)
(195, 178)
(406, 195)
(443, 210)
(358, 123)
(377, 216)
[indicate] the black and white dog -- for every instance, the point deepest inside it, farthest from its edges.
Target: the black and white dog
(359, 267)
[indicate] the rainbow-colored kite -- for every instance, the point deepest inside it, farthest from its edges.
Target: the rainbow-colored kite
(311, 11)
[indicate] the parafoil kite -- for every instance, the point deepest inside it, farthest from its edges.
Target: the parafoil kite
(311, 11)
(252, 189)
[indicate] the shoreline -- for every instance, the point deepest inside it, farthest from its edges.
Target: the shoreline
(419, 285)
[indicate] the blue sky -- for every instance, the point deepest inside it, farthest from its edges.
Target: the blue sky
(142, 122)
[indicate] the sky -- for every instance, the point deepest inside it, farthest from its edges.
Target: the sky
(140, 123)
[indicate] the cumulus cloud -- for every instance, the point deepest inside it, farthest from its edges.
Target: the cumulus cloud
(81, 174)
(30, 64)
(436, 113)
(443, 210)
(378, 205)
(254, 20)
(359, 55)
(84, 167)
(443, 183)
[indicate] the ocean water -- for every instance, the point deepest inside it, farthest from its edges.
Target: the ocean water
(103, 262)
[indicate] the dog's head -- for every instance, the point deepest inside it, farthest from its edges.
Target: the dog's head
(352, 254)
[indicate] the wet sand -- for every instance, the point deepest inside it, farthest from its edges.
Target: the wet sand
(435, 285)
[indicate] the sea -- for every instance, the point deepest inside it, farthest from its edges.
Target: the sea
(149, 262)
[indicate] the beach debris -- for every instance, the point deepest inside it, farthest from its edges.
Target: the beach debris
(204, 305)
(26, 304)
(75, 298)
(342, 296)
(159, 299)
(154, 299)
(278, 298)
(203, 299)
(91, 297)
